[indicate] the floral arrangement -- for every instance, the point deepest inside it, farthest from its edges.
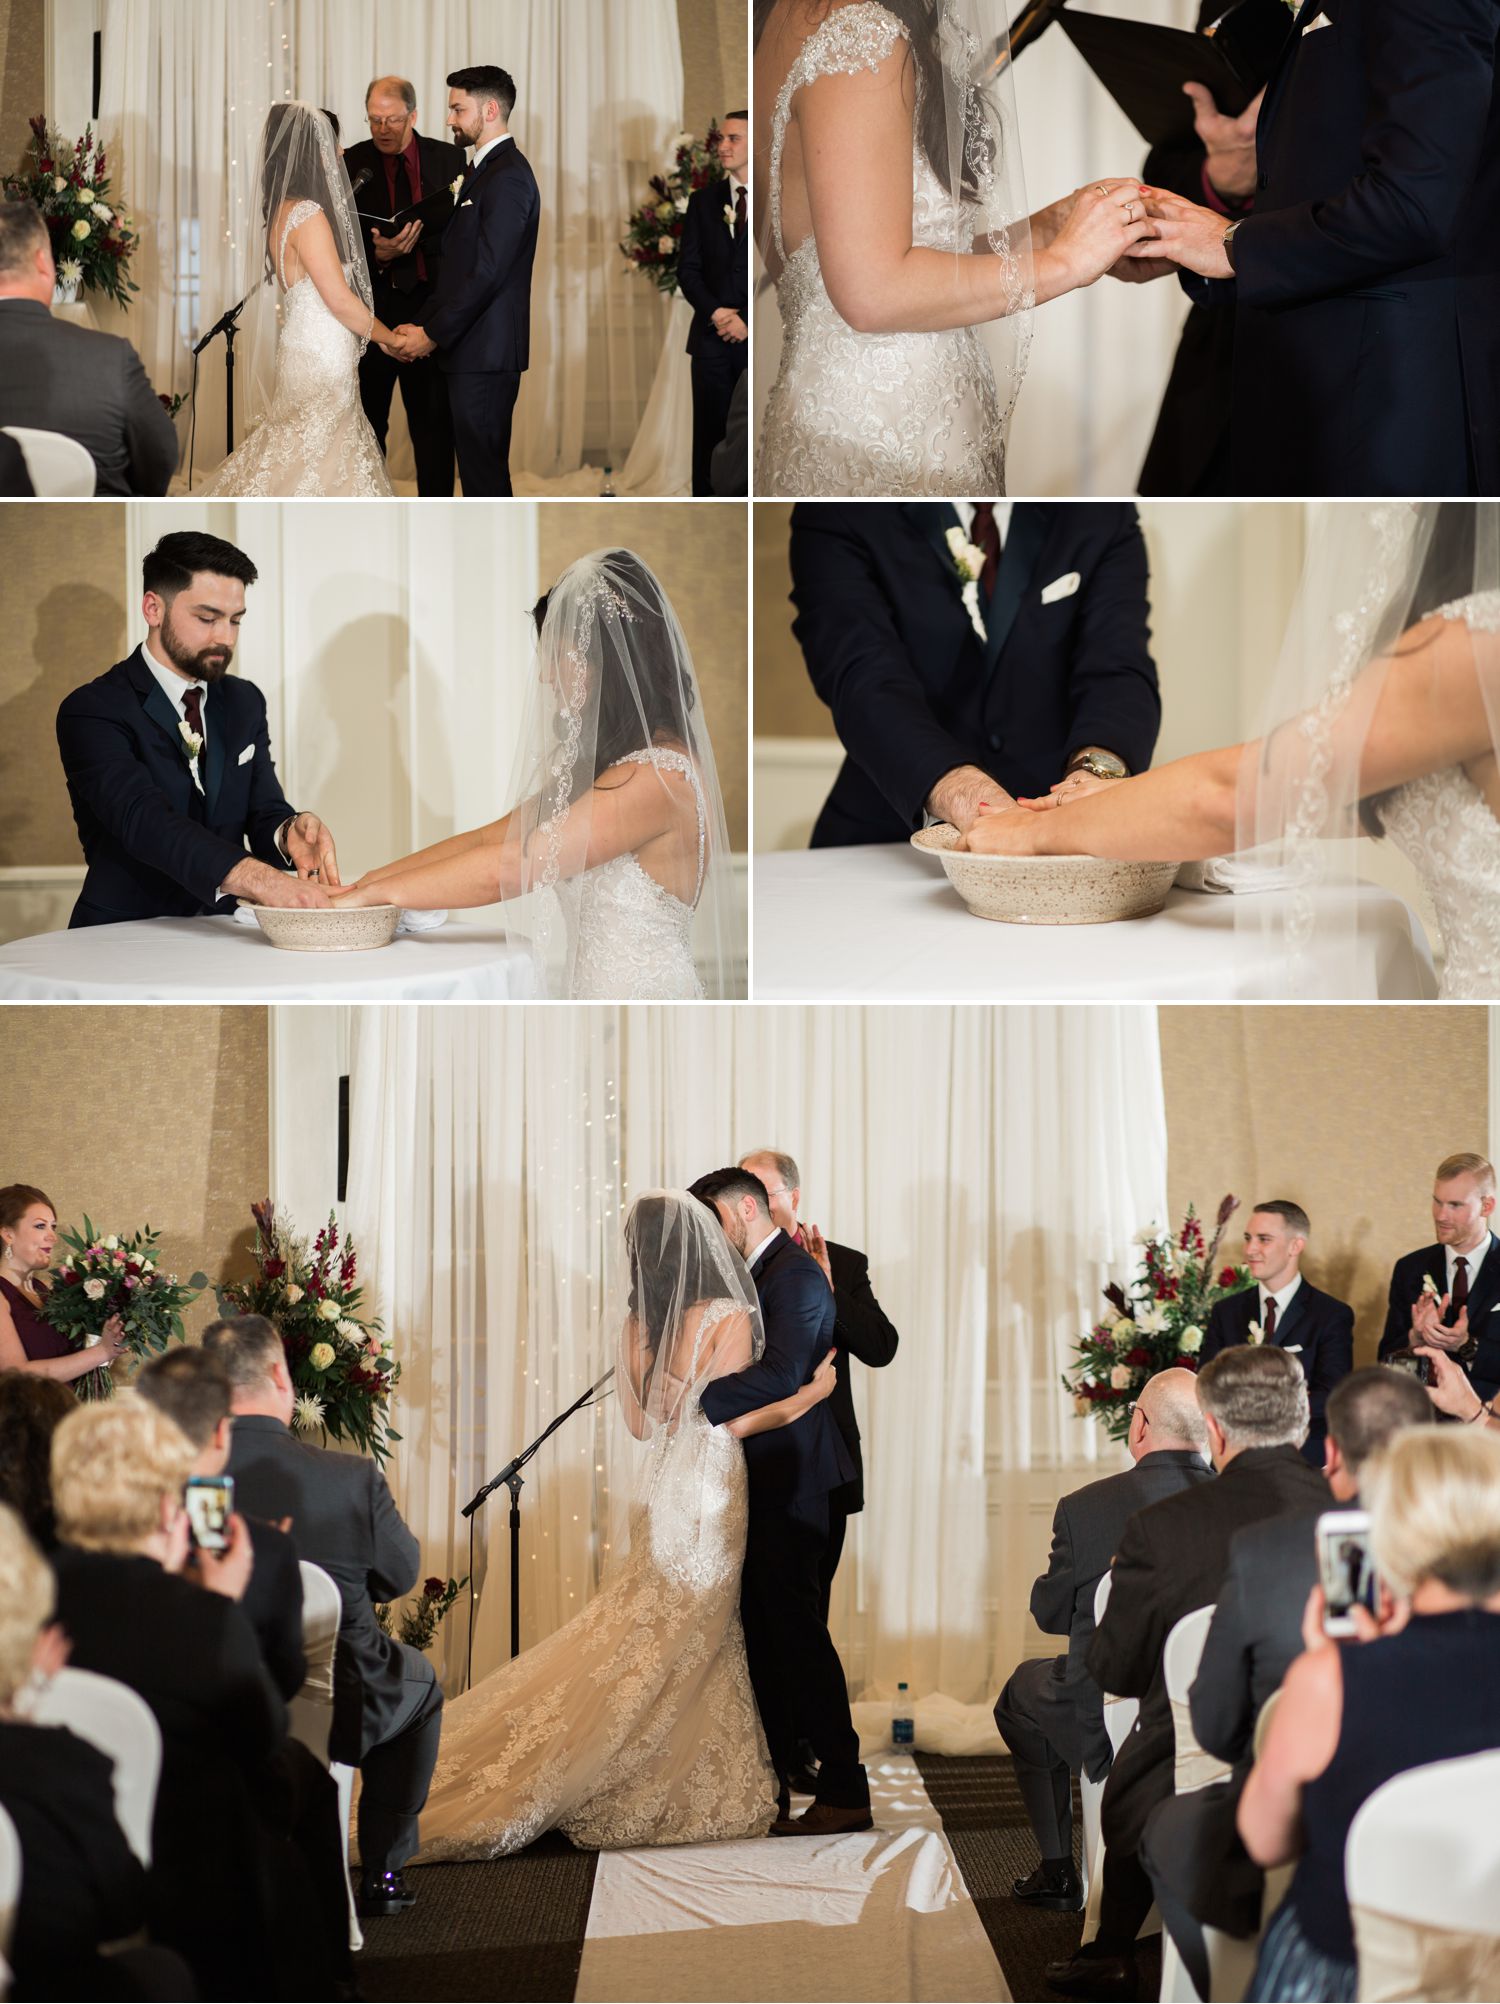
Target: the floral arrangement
(92, 241)
(341, 1363)
(419, 1622)
(653, 241)
(1155, 1324)
(109, 1275)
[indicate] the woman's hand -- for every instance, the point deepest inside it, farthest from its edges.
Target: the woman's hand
(1072, 788)
(1015, 832)
(1450, 1390)
(227, 1572)
(111, 1343)
(356, 897)
(1189, 234)
(1106, 220)
(823, 1380)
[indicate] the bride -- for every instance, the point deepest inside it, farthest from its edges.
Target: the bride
(309, 319)
(635, 1724)
(615, 862)
(1385, 722)
(891, 213)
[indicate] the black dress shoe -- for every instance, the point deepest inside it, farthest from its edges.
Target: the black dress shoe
(384, 1893)
(1059, 1889)
(1093, 1972)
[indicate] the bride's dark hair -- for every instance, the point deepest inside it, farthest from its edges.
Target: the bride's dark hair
(291, 172)
(661, 1288)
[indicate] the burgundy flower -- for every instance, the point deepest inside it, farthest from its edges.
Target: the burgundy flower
(1187, 1363)
(1137, 1357)
(1228, 1277)
(434, 1589)
(273, 1269)
(1114, 1294)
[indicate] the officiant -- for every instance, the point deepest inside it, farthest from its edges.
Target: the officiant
(391, 171)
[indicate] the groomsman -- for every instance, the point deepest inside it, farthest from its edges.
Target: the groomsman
(714, 273)
(1287, 1311)
(1447, 1294)
(392, 170)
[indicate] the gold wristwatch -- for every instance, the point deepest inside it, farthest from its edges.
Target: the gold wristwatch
(1229, 240)
(1101, 764)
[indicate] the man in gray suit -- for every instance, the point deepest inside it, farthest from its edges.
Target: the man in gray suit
(1051, 1712)
(58, 377)
(1199, 1869)
(387, 1703)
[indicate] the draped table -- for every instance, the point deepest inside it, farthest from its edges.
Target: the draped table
(881, 923)
(217, 960)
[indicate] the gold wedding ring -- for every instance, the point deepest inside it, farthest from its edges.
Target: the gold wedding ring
(1101, 189)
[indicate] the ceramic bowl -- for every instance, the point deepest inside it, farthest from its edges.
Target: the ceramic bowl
(1047, 890)
(329, 929)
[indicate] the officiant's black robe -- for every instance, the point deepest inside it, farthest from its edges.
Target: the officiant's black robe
(155, 846)
(915, 692)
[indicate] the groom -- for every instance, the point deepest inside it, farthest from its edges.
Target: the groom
(479, 319)
(794, 1667)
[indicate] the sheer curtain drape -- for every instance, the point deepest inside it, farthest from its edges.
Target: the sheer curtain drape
(184, 91)
(994, 1165)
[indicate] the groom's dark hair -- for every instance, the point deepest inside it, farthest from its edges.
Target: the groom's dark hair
(176, 560)
(482, 80)
(729, 1186)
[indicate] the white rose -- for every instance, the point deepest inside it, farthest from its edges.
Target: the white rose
(321, 1356)
(85, 193)
(94, 1289)
(293, 1295)
(1190, 1342)
(666, 245)
(329, 1311)
(1124, 1332)
(58, 184)
(681, 205)
(81, 229)
(111, 1244)
(1256, 1333)
(1120, 1377)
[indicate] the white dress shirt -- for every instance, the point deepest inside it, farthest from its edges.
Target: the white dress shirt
(175, 686)
(965, 513)
(764, 1247)
(490, 145)
(1476, 1258)
(1282, 1298)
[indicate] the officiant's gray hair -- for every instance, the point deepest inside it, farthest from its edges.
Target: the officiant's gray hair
(407, 92)
(1258, 1394)
(785, 1167)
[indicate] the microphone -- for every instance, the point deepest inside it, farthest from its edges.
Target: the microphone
(1028, 24)
(360, 180)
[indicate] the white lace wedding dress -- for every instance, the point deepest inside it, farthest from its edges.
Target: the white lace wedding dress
(1445, 826)
(869, 414)
(314, 438)
(634, 1724)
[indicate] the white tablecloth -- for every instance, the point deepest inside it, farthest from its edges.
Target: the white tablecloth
(882, 923)
(215, 960)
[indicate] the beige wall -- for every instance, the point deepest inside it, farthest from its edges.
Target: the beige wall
(144, 1116)
(1345, 1111)
(62, 618)
(714, 68)
(22, 85)
(697, 549)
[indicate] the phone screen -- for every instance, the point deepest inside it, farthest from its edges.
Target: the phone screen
(1345, 1568)
(209, 1500)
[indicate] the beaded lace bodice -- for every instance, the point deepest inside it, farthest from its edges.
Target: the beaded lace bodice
(630, 938)
(314, 438)
(853, 413)
(1446, 827)
(635, 1723)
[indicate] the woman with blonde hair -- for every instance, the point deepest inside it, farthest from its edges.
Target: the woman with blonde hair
(1420, 1684)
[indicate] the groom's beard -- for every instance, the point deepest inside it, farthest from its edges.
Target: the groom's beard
(209, 664)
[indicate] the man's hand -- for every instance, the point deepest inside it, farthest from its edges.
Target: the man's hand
(388, 249)
(1450, 1390)
(227, 1572)
(734, 329)
(1140, 265)
(816, 1245)
(1073, 787)
(961, 796)
(1190, 235)
(264, 886)
(1428, 1326)
(309, 847)
(1229, 143)
(410, 343)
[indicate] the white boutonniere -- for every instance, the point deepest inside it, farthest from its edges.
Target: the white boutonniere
(968, 562)
(1257, 1334)
(455, 186)
(191, 741)
(1430, 1288)
(729, 217)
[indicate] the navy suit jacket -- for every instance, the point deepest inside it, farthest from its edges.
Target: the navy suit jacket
(913, 690)
(1484, 1309)
(1367, 336)
(480, 313)
(155, 846)
(713, 270)
(1319, 1328)
(793, 1463)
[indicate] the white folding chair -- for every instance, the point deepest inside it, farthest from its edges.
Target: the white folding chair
(10, 1894)
(312, 1708)
(1120, 1715)
(58, 466)
(1422, 1868)
(117, 1720)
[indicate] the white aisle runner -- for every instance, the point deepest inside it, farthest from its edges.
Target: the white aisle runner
(882, 1914)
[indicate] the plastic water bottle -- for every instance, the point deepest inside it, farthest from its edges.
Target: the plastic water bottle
(903, 1730)
(607, 491)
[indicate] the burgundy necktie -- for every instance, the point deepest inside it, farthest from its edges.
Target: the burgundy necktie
(1459, 1299)
(984, 534)
(192, 703)
(1270, 1318)
(739, 212)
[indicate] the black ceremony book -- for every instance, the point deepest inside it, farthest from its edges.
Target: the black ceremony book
(1143, 66)
(432, 212)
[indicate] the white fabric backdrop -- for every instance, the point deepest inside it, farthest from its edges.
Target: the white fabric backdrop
(994, 1165)
(184, 92)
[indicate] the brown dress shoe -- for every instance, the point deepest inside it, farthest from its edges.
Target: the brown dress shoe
(822, 1820)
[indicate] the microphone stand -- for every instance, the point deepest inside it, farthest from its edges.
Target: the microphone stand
(510, 1475)
(228, 325)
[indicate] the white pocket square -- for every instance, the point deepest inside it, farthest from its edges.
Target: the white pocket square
(466, 205)
(1292, 1349)
(1318, 21)
(1061, 588)
(246, 755)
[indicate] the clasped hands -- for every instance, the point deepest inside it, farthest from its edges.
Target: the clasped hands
(408, 343)
(992, 821)
(728, 325)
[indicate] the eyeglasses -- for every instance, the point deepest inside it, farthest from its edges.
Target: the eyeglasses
(388, 124)
(1135, 1407)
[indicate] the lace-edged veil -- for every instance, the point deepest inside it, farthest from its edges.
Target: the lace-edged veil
(1375, 575)
(614, 700)
(297, 161)
(964, 125)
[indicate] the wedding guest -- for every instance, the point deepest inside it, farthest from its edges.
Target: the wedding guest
(1051, 1712)
(1199, 1870)
(55, 376)
(1285, 1308)
(1420, 1684)
(1171, 1560)
(387, 1703)
(938, 716)
(130, 1613)
(713, 273)
(28, 1238)
(393, 170)
(168, 760)
(1452, 1394)
(31, 1409)
(1446, 1294)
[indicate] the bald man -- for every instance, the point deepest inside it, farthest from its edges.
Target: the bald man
(1051, 1712)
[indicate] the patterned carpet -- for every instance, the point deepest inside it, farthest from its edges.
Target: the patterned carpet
(521, 1920)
